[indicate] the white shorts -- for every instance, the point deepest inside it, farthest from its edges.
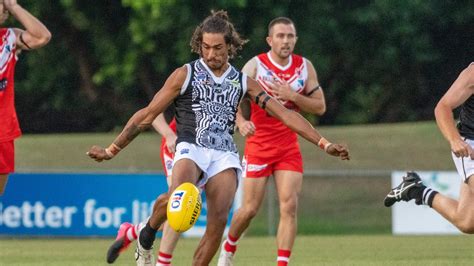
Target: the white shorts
(210, 161)
(465, 165)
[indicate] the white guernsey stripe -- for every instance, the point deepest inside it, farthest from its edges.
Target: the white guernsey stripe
(186, 81)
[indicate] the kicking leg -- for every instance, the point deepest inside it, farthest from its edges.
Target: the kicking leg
(220, 192)
(184, 170)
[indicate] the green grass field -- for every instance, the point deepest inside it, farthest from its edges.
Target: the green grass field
(373, 147)
(308, 250)
(341, 220)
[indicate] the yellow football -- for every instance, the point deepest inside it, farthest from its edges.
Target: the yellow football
(184, 207)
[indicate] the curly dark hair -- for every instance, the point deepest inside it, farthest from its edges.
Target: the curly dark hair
(218, 22)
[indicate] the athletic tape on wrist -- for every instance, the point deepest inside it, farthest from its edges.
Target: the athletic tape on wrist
(112, 150)
(324, 144)
(109, 153)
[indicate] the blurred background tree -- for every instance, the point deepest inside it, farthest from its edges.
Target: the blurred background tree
(378, 61)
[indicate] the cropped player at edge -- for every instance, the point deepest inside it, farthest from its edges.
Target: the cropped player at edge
(460, 136)
(206, 93)
(12, 42)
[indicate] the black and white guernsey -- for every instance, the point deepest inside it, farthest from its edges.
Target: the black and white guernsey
(466, 118)
(207, 105)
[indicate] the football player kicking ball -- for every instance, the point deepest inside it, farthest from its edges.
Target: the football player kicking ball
(128, 232)
(461, 139)
(271, 148)
(206, 93)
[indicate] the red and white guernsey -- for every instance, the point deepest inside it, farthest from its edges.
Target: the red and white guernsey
(272, 137)
(9, 127)
(166, 156)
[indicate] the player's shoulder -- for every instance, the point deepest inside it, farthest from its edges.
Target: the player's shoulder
(250, 67)
(182, 70)
(469, 71)
(470, 67)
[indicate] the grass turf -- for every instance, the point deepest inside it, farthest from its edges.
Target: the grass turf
(308, 250)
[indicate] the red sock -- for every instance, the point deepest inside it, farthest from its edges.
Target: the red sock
(164, 259)
(283, 257)
(231, 244)
(131, 233)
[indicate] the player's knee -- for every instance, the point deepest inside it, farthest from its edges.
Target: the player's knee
(161, 202)
(289, 208)
(217, 222)
(163, 198)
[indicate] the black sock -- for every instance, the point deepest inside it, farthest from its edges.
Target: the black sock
(147, 236)
(428, 196)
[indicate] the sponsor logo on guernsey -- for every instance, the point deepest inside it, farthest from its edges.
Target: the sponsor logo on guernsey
(256, 167)
(184, 151)
(177, 200)
(202, 79)
(284, 75)
(301, 82)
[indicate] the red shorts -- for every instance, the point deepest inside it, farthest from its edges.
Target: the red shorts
(7, 157)
(264, 166)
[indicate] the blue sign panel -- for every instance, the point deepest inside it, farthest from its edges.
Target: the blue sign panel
(80, 204)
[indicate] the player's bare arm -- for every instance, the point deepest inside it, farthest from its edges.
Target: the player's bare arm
(458, 93)
(313, 101)
(35, 34)
(143, 118)
(160, 125)
(245, 126)
(293, 120)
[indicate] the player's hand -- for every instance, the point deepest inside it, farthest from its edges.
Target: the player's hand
(9, 4)
(98, 153)
(461, 149)
(171, 143)
(282, 91)
(246, 128)
(338, 150)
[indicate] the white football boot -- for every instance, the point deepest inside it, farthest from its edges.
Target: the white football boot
(144, 257)
(225, 258)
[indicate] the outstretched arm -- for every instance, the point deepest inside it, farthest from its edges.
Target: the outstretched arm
(35, 34)
(294, 120)
(143, 118)
(458, 93)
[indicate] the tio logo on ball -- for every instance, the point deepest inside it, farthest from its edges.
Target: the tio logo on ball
(177, 200)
